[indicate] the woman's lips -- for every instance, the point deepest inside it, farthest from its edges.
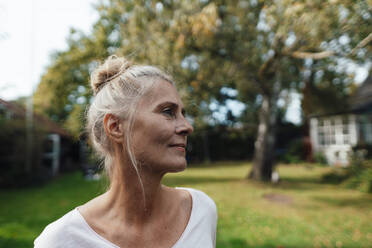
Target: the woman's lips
(180, 147)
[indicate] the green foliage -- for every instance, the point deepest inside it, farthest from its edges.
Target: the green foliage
(249, 46)
(326, 90)
(225, 142)
(336, 176)
(360, 171)
(290, 146)
(320, 158)
(360, 176)
(293, 154)
(221, 143)
(206, 45)
(291, 158)
(319, 215)
(75, 120)
(362, 151)
(63, 91)
(357, 176)
(12, 154)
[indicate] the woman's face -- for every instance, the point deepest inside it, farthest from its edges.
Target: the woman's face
(160, 130)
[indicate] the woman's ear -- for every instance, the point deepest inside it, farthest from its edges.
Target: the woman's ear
(113, 128)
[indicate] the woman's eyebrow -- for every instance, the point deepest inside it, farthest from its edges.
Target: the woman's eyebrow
(170, 104)
(167, 104)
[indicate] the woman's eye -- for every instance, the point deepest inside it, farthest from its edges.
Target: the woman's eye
(168, 112)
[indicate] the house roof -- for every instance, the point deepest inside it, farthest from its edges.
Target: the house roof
(362, 99)
(20, 112)
(360, 102)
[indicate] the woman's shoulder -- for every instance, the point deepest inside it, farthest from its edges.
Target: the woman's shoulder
(203, 220)
(56, 233)
(201, 200)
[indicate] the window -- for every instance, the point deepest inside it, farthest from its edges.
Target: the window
(346, 139)
(321, 139)
(345, 120)
(345, 130)
(333, 130)
(333, 135)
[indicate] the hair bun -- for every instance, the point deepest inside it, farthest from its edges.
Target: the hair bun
(112, 68)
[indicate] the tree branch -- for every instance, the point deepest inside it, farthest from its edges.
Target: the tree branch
(327, 54)
(264, 67)
(307, 55)
(363, 43)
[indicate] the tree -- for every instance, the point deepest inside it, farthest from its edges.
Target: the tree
(264, 45)
(258, 47)
(63, 91)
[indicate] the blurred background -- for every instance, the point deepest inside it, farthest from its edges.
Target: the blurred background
(279, 94)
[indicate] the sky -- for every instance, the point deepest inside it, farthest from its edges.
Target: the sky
(31, 30)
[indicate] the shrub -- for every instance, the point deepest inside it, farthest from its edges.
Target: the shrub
(220, 143)
(294, 152)
(360, 176)
(13, 154)
(363, 149)
(289, 158)
(357, 176)
(336, 176)
(320, 158)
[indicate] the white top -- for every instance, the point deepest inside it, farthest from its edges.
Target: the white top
(71, 230)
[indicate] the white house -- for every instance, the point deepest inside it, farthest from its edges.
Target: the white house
(336, 134)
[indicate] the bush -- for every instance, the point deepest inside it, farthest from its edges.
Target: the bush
(336, 176)
(13, 154)
(357, 176)
(360, 176)
(363, 149)
(293, 154)
(320, 158)
(289, 158)
(220, 143)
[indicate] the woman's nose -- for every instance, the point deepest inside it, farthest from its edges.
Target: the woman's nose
(184, 127)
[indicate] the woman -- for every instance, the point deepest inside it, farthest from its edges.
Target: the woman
(137, 125)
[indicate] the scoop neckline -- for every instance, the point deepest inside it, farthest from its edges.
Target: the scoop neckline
(185, 231)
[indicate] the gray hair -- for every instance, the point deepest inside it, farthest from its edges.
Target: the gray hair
(118, 86)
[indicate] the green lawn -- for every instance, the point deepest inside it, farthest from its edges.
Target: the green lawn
(301, 211)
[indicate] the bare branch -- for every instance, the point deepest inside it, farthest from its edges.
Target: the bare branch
(307, 55)
(327, 54)
(363, 43)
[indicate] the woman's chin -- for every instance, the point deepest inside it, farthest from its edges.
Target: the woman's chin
(181, 166)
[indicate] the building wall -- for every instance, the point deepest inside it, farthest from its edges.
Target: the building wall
(334, 136)
(365, 129)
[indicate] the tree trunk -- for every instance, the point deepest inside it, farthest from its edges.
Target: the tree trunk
(263, 161)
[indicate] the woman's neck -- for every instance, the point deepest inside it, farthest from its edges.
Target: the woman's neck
(128, 200)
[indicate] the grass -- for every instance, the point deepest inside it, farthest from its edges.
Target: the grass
(300, 211)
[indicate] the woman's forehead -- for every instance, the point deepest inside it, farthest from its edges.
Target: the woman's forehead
(162, 91)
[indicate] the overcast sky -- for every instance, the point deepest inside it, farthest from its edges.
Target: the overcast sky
(30, 30)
